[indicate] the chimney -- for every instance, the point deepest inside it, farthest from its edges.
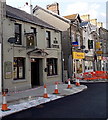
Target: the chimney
(27, 8)
(85, 17)
(54, 8)
(100, 24)
(93, 21)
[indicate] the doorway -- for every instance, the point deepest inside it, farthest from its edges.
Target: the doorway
(35, 72)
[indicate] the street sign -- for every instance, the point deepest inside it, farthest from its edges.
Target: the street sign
(78, 55)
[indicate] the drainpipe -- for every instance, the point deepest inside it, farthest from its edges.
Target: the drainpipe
(62, 62)
(71, 46)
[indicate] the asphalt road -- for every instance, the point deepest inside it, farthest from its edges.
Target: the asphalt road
(90, 103)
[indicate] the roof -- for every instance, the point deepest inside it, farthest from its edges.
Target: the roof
(73, 17)
(52, 13)
(21, 15)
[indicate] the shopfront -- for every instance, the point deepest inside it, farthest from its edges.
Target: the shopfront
(78, 63)
(88, 64)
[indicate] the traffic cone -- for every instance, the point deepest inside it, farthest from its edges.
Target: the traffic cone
(77, 82)
(56, 88)
(45, 92)
(69, 85)
(4, 105)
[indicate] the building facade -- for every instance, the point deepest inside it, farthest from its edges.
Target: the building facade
(32, 51)
(76, 43)
(103, 33)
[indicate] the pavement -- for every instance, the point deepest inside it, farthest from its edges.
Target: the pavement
(21, 100)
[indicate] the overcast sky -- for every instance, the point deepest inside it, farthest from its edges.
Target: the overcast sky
(96, 8)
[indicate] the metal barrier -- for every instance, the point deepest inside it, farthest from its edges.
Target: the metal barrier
(95, 75)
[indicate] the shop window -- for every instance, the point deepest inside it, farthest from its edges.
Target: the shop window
(19, 68)
(18, 34)
(51, 66)
(48, 39)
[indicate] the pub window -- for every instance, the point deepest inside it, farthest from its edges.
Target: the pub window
(48, 39)
(19, 68)
(18, 34)
(51, 66)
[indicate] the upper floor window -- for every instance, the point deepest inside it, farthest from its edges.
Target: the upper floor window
(78, 40)
(18, 34)
(48, 39)
(72, 37)
(33, 30)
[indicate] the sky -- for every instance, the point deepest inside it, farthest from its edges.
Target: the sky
(96, 8)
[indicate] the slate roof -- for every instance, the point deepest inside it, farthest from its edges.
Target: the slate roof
(21, 15)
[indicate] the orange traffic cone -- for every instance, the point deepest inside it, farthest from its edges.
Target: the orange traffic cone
(69, 85)
(45, 92)
(77, 82)
(56, 89)
(4, 105)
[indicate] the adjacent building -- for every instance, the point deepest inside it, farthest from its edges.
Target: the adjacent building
(103, 33)
(89, 48)
(71, 35)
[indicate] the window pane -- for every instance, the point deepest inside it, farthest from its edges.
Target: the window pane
(48, 39)
(15, 73)
(52, 66)
(19, 70)
(18, 33)
(17, 28)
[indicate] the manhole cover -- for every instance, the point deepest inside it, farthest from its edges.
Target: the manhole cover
(40, 106)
